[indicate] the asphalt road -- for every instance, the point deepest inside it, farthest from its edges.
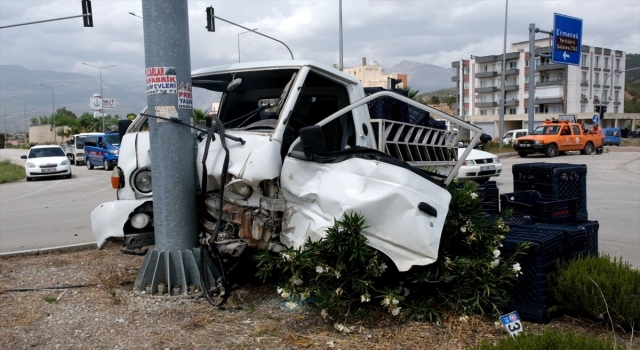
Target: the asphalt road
(53, 212)
(49, 213)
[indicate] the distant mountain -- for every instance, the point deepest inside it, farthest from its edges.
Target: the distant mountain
(423, 76)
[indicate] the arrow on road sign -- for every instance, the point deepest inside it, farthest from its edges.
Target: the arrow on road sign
(565, 55)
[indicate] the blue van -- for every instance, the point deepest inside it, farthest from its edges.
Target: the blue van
(612, 136)
(102, 150)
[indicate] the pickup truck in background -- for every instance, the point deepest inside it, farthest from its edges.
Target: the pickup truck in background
(302, 150)
(558, 136)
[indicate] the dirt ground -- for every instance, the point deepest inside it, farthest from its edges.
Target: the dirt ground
(102, 312)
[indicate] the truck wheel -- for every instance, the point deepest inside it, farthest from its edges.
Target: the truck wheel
(551, 150)
(522, 154)
(75, 162)
(106, 165)
(89, 165)
(588, 148)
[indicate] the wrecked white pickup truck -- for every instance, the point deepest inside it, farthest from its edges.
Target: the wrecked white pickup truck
(311, 151)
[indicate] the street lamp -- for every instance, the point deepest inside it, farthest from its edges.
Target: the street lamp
(4, 115)
(605, 83)
(134, 15)
(101, 95)
(248, 31)
(53, 109)
(24, 111)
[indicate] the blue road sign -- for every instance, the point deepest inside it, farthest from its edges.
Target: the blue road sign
(567, 40)
(596, 119)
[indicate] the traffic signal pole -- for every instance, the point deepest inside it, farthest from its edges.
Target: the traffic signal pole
(171, 267)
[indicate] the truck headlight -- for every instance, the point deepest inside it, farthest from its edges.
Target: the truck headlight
(516, 142)
(468, 162)
(114, 151)
(539, 142)
(140, 220)
(142, 181)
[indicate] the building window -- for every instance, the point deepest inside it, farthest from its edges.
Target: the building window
(618, 64)
(513, 65)
(596, 95)
(465, 99)
(466, 85)
(616, 96)
(512, 110)
(526, 63)
(615, 109)
(617, 80)
(526, 79)
(605, 94)
(597, 78)
(583, 108)
(584, 60)
(466, 112)
(584, 78)
(465, 70)
(598, 62)
(483, 112)
(556, 109)
(526, 110)
(606, 62)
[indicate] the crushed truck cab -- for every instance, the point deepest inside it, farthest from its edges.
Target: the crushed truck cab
(555, 136)
(309, 152)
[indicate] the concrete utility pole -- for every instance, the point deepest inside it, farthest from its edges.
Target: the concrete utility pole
(341, 66)
(173, 261)
(53, 110)
(502, 82)
(101, 95)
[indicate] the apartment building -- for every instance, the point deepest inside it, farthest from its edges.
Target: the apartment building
(560, 89)
(370, 75)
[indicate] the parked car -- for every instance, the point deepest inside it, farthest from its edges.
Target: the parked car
(46, 161)
(479, 166)
(612, 136)
(511, 135)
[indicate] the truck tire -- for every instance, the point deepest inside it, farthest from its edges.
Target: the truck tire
(106, 165)
(551, 150)
(588, 148)
(523, 154)
(75, 162)
(89, 165)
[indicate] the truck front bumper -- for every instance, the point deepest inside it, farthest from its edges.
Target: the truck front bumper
(108, 219)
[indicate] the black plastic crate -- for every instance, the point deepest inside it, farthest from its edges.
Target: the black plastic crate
(575, 239)
(543, 210)
(514, 220)
(592, 236)
(490, 197)
(554, 181)
(530, 293)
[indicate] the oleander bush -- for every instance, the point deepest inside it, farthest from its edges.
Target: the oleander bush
(344, 277)
(600, 287)
(550, 339)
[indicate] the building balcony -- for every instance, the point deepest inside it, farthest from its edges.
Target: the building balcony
(511, 103)
(616, 102)
(584, 83)
(596, 85)
(597, 69)
(606, 70)
(514, 71)
(584, 67)
(487, 89)
(606, 86)
(549, 82)
(487, 74)
(617, 87)
(548, 100)
(511, 87)
(455, 78)
(550, 66)
(486, 104)
(455, 105)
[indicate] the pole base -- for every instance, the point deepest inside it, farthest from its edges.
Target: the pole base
(176, 274)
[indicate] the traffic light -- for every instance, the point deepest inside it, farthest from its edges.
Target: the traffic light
(210, 17)
(603, 110)
(87, 19)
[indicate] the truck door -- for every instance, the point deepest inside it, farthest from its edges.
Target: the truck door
(404, 208)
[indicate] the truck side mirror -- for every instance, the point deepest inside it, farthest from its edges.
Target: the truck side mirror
(312, 140)
(23, 157)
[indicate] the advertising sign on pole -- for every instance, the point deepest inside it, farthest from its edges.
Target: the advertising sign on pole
(108, 103)
(567, 40)
(95, 102)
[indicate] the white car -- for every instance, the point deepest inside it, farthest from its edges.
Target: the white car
(479, 166)
(46, 161)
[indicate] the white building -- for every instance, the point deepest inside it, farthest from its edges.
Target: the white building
(560, 89)
(371, 76)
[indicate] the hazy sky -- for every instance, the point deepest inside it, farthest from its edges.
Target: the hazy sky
(435, 32)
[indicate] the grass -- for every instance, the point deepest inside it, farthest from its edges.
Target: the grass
(10, 172)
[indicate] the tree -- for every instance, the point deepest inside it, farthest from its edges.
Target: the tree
(131, 116)
(434, 100)
(412, 93)
(35, 121)
(199, 115)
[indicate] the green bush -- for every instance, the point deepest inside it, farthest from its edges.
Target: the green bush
(550, 339)
(10, 172)
(583, 286)
(344, 276)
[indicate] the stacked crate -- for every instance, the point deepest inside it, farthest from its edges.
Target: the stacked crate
(543, 210)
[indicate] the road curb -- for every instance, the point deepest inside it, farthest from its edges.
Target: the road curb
(64, 248)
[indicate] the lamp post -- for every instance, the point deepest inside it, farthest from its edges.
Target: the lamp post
(24, 111)
(4, 116)
(134, 15)
(101, 95)
(248, 31)
(53, 110)
(605, 83)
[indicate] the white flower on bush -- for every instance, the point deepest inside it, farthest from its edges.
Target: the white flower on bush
(517, 269)
(474, 195)
(291, 305)
(324, 314)
(463, 318)
(496, 253)
(319, 269)
(495, 263)
(339, 291)
(305, 295)
(287, 256)
(343, 328)
(382, 267)
(283, 293)
(295, 281)
(338, 275)
(395, 311)
(365, 298)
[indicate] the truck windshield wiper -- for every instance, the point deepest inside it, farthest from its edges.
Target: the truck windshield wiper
(206, 131)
